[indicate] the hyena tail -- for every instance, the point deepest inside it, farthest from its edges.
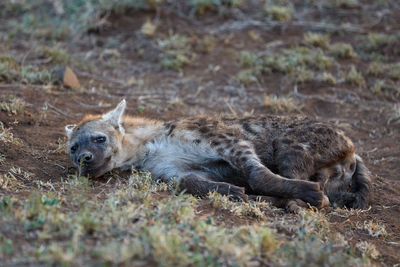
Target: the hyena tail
(361, 185)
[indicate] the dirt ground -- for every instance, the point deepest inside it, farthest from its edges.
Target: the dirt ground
(116, 62)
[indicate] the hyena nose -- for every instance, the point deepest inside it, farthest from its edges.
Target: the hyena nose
(85, 157)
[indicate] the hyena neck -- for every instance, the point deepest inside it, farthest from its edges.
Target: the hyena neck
(138, 132)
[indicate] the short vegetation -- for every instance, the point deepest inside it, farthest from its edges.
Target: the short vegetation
(131, 224)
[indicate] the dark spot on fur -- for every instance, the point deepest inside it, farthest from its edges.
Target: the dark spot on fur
(244, 159)
(248, 152)
(170, 127)
(286, 141)
(322, 131)
(297, 147)
(201, 123)
(226, 142)
(204, 129)
(210, 135)
(203, 120)
(215, 143)
(248, 128)
(192, 127)
(197, 141)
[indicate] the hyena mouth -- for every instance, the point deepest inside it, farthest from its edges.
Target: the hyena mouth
(85, 171)
(94, 172)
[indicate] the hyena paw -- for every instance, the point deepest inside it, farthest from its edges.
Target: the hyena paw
(313, 194)
(295, 205)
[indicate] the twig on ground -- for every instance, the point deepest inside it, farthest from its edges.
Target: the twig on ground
(59, 111)
(230, 108)
(96, 77)
(91, 106)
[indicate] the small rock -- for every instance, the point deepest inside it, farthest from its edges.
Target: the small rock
(67, 77)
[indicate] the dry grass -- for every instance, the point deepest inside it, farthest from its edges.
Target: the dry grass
(342, 51)
(7, 136)
(316, 39)
(12, 71)
(176, 51)
(328, 78)
(242, 209)
(368, 250)
(148, 28)
(278, 12)
(374, 229)
(206, 44)
(14, 179)
(247, 76)
(133, 224)
(281, 103)
(54, 54)
(355, 77)
(12, 105)
(301, 64)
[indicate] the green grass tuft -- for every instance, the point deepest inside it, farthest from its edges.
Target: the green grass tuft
(316, 39)
(176, 52)
(355, 77)
(278, 13)
(54, 55)
(342, 51)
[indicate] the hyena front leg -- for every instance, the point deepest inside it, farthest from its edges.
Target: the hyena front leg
(293, 162)
(241, 155)
(197, 184)
(293, 159)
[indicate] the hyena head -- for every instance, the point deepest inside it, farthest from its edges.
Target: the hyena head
(94, 143)
(341, 175)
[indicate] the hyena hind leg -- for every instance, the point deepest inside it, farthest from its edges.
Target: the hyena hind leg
(263, 181)
(198, 185)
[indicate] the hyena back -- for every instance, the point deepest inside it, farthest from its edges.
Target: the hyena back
(279, 157)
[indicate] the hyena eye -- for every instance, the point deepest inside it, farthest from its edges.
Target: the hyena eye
(99, 139)
(74, 148)
(352, 167)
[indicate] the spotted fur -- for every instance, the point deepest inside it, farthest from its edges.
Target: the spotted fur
(291, 160)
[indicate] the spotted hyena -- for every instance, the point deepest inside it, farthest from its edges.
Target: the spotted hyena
(289, 160)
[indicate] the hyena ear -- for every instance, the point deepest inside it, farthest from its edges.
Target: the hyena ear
(114, 117)
(69, 129)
